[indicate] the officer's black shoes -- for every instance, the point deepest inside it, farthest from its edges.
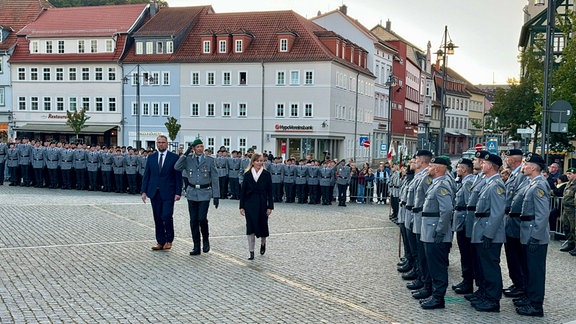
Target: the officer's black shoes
(569, 247)
(402, 262)
(573, 252)
(432, 303)
(487, 306)
(520, 302)
(414, 285)
(530, 310)
(262, 249)
(405, 268)
(411, 275)
(206, 246)
(195, 251)
(464, 289)
(422, 293)
(251, 255)
(475, 295)
(513, 292)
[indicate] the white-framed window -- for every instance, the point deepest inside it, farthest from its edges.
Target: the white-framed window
(21, 74)
(238, 46)
(85, 74)
(159, 47)
(169, 47)
(2, 96)
(294, 108)
(165, 109)
(1, 57)
(155, 109)
(309, 77)
(34, 47)
(280, 77)
(86, 103)
(111, 74)
(98, 74)
(242, 142)
(280, 110)
(284, 45)
(47, 74)
(242, 78)
(165, 78)
(308, 110)
(99, 104)
(195, 78)
(139, 48)
(81, 46)
(146, 108)
(34, 103)
(226, 142)
(93, 46)
(59, 103)
(194, 109)
(294, 77)
(47, 103)
(72, 103)
(59, 74)
(21, 103)
(61, 47)
(72, 74)
(149, 48)
(226, 109)
(49, 47)
(210, 143)
(210, 78)
(134, 108)
(242, 109)
(222, 46)
(206, 47)
(112, 104)
(109, 46)
(154, 78)
(34, 74)
(210, 109)
(226, 78)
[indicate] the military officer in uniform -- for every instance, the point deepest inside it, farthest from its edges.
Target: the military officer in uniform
(12, 163)
(52, 156)
(342, 181)
(203, 184)
(289, 178)
(106, 169)
(394, 190)
(92, 166)
(3, 158)
(24, 160)
(436, 230)
(276, 170)
(301, 173)
(407, 175)
(488, 234)
(326, 188)
(131, 170)
(568, 216)
(313, 182)
(38, 164)
(222, 167)
(534, 235)
(118, 169)
(233, 175)
(80, 167)
(65, 163)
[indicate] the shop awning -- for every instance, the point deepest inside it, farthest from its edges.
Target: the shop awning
(62, 128)
(457, 134)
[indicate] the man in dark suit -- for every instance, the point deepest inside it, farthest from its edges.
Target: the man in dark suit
(163, 185)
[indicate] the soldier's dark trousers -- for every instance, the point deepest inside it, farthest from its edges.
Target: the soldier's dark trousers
(407, 252)
(38, 177)
(66, 179)
(342, 188)
(53, 176)
(301, 193)
(234, 188)
(276, 192)
(422, 262)
(119, 183)
(2, 169)
(93, 180)
(289, 191)
(437, 260)
(107, 181)
(466, 261)
(492, 273)
(515, 260)
(535, 265)
(198, 211)
(14, 180)
(223, 182)
(314, 194)
(326, 194)
(394, 202)
(132, 183)
(80, 179)
(25, 170)
(412, 241)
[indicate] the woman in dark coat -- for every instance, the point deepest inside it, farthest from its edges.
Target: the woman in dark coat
(256, 202)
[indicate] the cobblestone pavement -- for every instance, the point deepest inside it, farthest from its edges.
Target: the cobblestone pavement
(69, 256)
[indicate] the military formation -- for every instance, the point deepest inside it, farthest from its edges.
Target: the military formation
(484, 213)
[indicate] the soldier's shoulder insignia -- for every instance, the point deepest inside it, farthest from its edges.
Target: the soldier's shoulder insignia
(469, 188)
(443, 192)
(428, 180)
(499, 190)
(540, 193)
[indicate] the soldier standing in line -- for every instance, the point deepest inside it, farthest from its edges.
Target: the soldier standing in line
(118, 168)
(92, 166)
(203, 184)
(244, 163)
(326, 178)
(24, 160)
(569, 210)
(65, 163)
(300, 181)
(233, 175)
(512, 247)
(313, 182)
(464, 171)
(535, 235)
(289, 178)
(222, 168)
(106, 169)
(408, 261)
(131, 169)
(488, 234)
(38, 164)
(342, 180)
(413, 274)
(142, 160)
(394, 190)
(80, 167)
(52, 156)
(436, 230)
(13, 165)
(277, 172)
(3, 158)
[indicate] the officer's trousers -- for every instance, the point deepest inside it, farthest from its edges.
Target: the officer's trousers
(535, 266)
(492, 273)
(515, 260)
(198, 211)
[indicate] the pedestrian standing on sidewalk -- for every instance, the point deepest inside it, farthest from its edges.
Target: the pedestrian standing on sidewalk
(256, 202)
(163, 185)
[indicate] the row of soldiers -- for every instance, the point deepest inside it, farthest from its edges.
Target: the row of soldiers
(485, 214)
(69, 165)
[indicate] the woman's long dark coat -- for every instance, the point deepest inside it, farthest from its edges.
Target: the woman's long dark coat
(255, 199)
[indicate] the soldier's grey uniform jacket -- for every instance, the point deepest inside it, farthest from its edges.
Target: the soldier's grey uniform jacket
(301, 174)
(394, 184)
(289, 175)
(131, 164)
(277, 172)
(404, 184)
(313, 175)
(25, 154)
(462, 196)
(118, 164)
(79, 159)
(516, 205)
(535, 212)
(142, 163)
(66, 159)
(489, 215)
(93, 161)
(423, 183)
(512, 186)
(437, 211)
(52, 156)
(202, 178)
(13, 156)
(106, 161)
(326, 176)
(38, 161)
(244, 162)
(343, 175)
(409, 219)
(222, 166)
(3, 153)
(267, 165)
(477, 186)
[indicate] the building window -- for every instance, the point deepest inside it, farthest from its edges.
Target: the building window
(159, 47)
(238, 46)
(21, 103)
(111, 74)
(48, 47)
(72, 104)
(226, 110)
(112, 104)
(169, 47)
(243, 78)
(109, 46)
(242, 110)
(2, 96)
(145, 108)
(226, 78)
(93, 46)
(284, 45)
(34, 48)
(294, 110)
(47, 103)
(242, 144)
(86, 103)
(210, 111)
(309, 77)
(222, 46)
(280, 110)
(72, 74)
(226, 142)
(194, 109)
(85, 74)
(34, 74)
(206, 47)
(135, 110)
(59, 74)
(165, 109)
(308, 110)
(47, 75)
(280, 78)
(99, 103)
(195, 78)
(294, 77)
(210, 143)
(139, 48)
(21, 74)
(61, 47)
(34, 103)
(155, 109)
(166, 78)
(98, 74)
(149, 48)
(81, 46)
(210, 78)
(59, 103)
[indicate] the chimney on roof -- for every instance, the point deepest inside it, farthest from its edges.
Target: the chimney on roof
(343, 9)
(388, 25)
(319, 13)
(153, 8)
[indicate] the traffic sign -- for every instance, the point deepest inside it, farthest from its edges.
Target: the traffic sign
(492, 145)
(383, 148)
(525, 131)
(560, 111)
(366, 143)
(479, 146)
(362, 139)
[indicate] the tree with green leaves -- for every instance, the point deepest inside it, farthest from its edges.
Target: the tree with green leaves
(173, 128)
(77, 120)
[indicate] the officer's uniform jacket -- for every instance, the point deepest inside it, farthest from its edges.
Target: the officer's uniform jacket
(66, 159)
(106, 161)
(394, 184)
(410, 190)
(289, 176)
(512, 186)
(301, 173)
(437, 211)
(93, 161)
(404, 184)
(202, 178)
(13, 156)
(118, 164)
(80, 159)
(267, 165)
(131, 164)
(461, 197)
(535, 212)
(326, 176)
(313, 175)
(38, 161)
(142, 163)
(342, 174)
(234, 167)
(221, 166)
(424, 182)
(277, 172)
(490, 206)
(52, 157)
(25, 153)
(477, 186)
(3, 153)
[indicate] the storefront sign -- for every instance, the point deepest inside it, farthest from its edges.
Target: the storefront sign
(53, 116)
(293, 128)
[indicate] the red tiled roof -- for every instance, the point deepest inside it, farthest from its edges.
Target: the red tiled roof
(171, 21)
(15, 14)
(85, 21)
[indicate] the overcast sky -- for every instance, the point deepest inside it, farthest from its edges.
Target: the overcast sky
(485, 31)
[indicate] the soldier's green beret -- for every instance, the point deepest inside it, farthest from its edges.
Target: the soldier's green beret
(197, 142)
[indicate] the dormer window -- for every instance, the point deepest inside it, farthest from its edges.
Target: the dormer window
(34, 47)
(159, 48)
(139, 48)
(169, 47)
(206, 47)
(283, 44)
(222, 46)
(238, 46)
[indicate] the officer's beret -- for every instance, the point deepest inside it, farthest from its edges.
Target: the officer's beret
(441, 160)
(514, 152)
(250, 150)
(494, 159)
(481, 154)
(536, 159)
(466, 161)
(571, 170)
(197, 142)
(423, 153)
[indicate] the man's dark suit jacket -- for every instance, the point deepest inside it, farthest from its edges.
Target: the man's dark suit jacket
(168, 181)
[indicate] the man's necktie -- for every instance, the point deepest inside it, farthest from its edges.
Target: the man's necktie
(161, 162)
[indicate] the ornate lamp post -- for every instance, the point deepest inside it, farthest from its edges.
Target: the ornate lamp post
(446, 49)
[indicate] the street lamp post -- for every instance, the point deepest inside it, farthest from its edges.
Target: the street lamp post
(447, 49)
(138, 105)
(548, 55)
(390, 83)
